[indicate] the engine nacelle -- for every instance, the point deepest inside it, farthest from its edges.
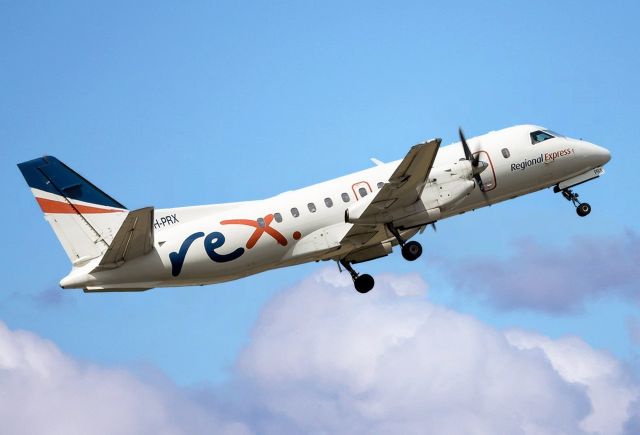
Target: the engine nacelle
(435, 198)
(445, 188)
(448, 195)
(354, 213)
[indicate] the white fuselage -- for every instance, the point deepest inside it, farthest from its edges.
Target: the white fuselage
(215, 243)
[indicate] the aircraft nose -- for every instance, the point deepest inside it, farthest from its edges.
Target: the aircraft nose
(599, 154)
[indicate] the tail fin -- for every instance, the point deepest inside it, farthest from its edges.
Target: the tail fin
(84, 218)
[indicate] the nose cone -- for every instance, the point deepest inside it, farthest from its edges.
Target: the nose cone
(599, 155)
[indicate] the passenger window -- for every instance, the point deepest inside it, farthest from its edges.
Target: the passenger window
(295, 212)
(312, 207)
(505, 153)
(328, 202)
(363, 192)
(380, 184)
(345, 197)
(261, 222)
(540, 136)
(277, 217)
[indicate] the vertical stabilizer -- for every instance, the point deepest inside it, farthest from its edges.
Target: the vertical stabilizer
(84, 218)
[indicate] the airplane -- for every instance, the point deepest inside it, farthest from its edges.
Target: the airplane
(351, 219)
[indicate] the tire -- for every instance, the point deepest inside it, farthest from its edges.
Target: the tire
(583, 209)
(364, 283)
(411, 251)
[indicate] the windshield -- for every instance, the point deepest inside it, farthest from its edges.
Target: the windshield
(553, 133)
(540, 136)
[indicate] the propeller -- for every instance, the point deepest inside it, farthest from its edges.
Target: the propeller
(476, 165)
(424, 227)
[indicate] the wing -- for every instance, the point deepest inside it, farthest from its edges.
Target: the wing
(403, 189)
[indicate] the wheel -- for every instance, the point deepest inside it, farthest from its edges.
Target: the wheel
(364, 283)
(411, 251)
(583, 209)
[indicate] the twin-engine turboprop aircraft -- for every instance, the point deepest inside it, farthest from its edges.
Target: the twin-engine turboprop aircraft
(351, 219)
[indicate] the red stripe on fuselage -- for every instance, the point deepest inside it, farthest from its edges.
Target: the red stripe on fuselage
(51, 206)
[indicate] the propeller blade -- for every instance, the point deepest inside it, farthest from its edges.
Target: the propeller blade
(481, 186)
(476, 160)
(433, 225)
(465, 146)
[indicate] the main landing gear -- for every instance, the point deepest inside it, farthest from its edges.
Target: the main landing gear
(363, 283)
(412, 250)
(582, 208)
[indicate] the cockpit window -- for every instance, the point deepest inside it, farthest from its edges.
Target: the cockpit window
(553, 133)
(540, 136)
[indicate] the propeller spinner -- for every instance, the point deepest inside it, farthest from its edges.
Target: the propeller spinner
(477, 166)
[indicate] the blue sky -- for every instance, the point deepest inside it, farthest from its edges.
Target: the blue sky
(185, 103)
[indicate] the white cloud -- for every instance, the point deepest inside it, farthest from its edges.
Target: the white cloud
(325, 359)
(44, 391)
(608, 386)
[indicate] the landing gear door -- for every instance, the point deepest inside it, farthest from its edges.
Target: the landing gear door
(488, 176)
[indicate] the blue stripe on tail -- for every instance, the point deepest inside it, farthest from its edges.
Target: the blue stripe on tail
(51, 175)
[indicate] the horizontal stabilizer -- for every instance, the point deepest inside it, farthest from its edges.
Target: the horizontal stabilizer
(133, 239)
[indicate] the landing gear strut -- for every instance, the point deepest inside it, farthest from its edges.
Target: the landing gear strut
(412, 250)
(363, 283)
(582, 208)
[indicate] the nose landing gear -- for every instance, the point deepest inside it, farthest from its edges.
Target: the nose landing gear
(582, 208)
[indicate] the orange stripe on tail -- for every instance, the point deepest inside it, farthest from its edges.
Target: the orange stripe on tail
(51, 206)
